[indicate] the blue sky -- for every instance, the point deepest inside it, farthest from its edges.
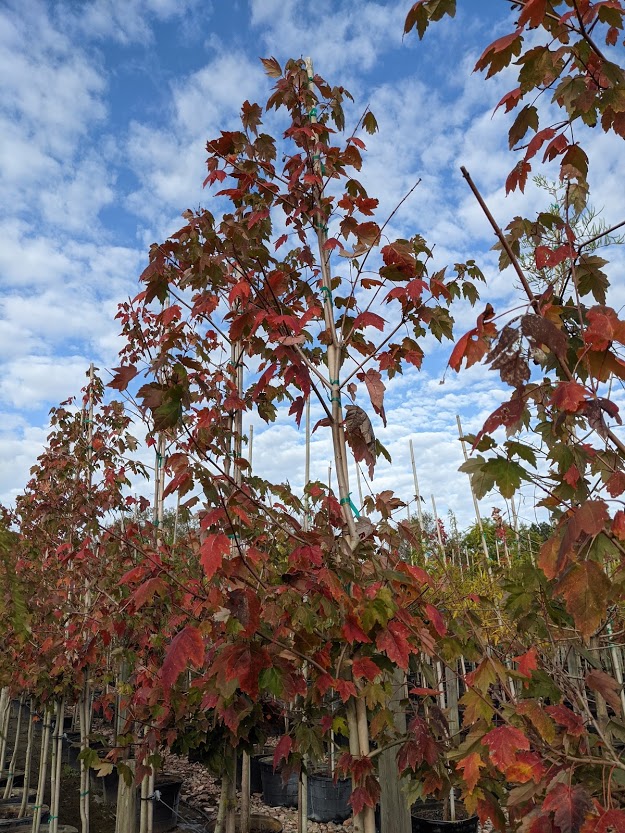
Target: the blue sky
(105, 109)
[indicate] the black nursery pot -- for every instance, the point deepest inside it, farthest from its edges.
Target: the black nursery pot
(328, 800)
(275, 792)
(428, 818)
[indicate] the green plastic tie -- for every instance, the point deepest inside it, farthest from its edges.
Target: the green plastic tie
(349, 500)
(335, 399)
(317, 158)
(86, 792)
(37, 806)
(312, 112)
(328, 293)
(334, 382)
(51, 817)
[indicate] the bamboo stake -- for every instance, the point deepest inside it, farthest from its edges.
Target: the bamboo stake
(302, 796)
(359, 482)
(439, 535)
(616, 664)
(56, 766)
(307, 468)
(416, 486)
(84, 700)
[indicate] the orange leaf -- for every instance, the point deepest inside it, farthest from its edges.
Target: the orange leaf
(470, 767)
(527, 662)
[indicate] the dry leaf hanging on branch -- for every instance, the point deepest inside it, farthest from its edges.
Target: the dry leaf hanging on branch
(360, 436)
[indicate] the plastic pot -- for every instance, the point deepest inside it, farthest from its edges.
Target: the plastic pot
(328, 800)
(275, 792)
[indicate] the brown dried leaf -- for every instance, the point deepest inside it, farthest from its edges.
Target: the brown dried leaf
(360, 436)
(540, 331)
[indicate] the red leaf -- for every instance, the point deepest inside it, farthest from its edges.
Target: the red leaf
(591, 517)
(186, 646)
(569, 805)
(427, 749)
(368, 319)
(496, 46)
(353, 632)
(533, 13)
(345, 689)
(214, 548)
(610, 820)
(585, 587)
(425, 692)
(436, 619)
(517, 178)
(534, 146)
(365, 667)
(503, 744)
(282, 750)
(279, 242)
(547, 258)
(392, 640)
(123, 375)
(616, 484)
(603, 328)
(146, 591)
(244, 663)
(563, 716)
(618, 525)
(375, 387)
(510, 99)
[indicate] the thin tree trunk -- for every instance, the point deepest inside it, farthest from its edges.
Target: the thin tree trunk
(84, 716)
(16, 746)
(28, 759)
(5, 705)
(43, 768)
(126, 817)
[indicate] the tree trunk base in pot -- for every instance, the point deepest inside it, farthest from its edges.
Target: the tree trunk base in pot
(428, 818)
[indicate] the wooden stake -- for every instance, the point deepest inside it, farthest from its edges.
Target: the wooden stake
(416, 487)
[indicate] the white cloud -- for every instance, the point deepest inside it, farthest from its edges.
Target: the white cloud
(124, 21)
(348, 36)
(32, 381)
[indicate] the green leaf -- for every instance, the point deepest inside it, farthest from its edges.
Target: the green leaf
(523, 451)
(591, 278)
(526, 118)
(369, 123)
(507, 475)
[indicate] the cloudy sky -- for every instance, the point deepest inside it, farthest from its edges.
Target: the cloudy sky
(105, 108)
